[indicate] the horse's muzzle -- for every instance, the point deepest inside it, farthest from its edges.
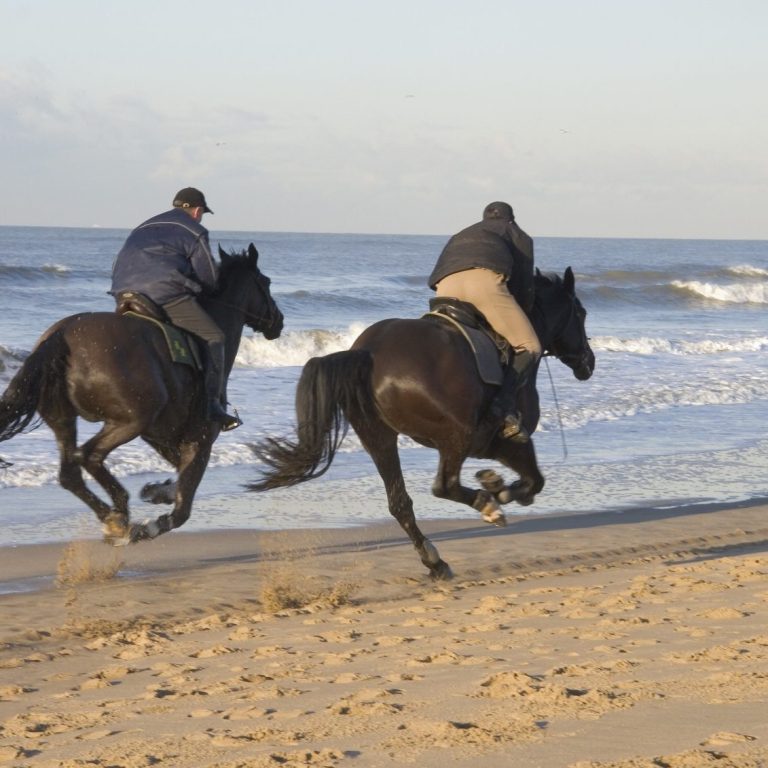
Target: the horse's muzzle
(585, 367)
(275, 328)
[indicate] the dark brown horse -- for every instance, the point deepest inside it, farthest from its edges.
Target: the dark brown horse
(116, 369)
(418, 378)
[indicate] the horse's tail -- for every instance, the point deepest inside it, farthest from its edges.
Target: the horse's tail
(43, 372)
(329, 389)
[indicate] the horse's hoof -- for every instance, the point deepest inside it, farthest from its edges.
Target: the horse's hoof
(116, 530)
(441, 571)
(504, 496)
(490, 480)
(159, 493)
(491, 513)
(149, 529)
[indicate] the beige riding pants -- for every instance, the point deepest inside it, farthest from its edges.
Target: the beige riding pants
(487, 290)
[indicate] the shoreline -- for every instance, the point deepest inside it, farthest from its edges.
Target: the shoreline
(686, 526)
(189, 549)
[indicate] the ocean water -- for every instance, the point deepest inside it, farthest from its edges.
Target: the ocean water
(675, 413)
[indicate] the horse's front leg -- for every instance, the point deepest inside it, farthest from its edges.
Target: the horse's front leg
(193, 460)
(521, 458)
(447, 485)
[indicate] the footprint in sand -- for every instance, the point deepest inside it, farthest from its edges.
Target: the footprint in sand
(12, 692)
(724, 738)
(209, 653)
(723, 613)
(368, 702)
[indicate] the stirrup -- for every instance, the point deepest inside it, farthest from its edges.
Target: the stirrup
(218, 414)
(512, 429)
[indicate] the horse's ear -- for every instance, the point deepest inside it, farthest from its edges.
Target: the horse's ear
(253, 254)
(538, 272)
(223, 255)
(569, 281)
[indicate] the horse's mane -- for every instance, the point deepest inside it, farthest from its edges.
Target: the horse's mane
(233, 264)
(545, 284)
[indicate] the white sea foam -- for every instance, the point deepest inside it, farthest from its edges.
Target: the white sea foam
(294, 348)
(58, 268)
(735, 293)
(653, 346)
(650, 396)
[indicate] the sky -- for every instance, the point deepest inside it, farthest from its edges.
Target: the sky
(592, 118)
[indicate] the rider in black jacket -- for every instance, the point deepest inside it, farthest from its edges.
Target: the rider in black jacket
(490, 265)
(168, 259)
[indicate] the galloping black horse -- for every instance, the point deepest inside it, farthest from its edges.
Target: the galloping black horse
(418, 378)
(116, 369)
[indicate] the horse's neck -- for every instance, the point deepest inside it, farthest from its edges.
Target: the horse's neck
(226, 317)
(528, 401)
(540, 325)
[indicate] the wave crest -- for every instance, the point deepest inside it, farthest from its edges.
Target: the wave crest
(294, 348)
(735, 293)
(652, 346)
(747, 270)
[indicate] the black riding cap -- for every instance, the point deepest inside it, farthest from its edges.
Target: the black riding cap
(499, 211)
(189, 197)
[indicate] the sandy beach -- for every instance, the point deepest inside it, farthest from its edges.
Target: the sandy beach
(635, 640)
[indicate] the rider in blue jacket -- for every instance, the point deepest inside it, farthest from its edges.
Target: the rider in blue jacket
(168, 259)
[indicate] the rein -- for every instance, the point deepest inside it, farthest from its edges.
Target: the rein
(563, 357)
(259, 320)
(557, 410)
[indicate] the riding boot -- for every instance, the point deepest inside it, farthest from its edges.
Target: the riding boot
(504, 407)
(214, 389)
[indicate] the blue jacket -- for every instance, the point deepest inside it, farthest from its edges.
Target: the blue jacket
(166, 258)
(494, 244)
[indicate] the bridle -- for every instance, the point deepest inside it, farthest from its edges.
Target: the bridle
(569, 356)
(263, 320)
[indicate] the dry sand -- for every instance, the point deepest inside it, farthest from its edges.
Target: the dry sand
(637, 639)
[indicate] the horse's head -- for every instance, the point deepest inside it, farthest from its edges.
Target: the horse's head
(247, 288)
(560, 321)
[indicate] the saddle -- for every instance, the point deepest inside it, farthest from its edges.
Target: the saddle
(492, 352)
(182, 346)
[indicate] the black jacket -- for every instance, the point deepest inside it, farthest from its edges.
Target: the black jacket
(495, 244)
(166, 258)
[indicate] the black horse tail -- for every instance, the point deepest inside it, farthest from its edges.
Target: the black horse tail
(43, 373)
(329, 388)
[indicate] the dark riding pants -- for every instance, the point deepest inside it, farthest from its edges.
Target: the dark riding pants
(188, 314)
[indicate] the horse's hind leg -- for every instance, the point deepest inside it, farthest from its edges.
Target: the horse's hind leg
(381, 443)
(447, 485)
(92, 455)
(70, 473)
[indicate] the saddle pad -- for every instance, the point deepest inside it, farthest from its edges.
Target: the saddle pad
(485, 351)
(180, 346)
